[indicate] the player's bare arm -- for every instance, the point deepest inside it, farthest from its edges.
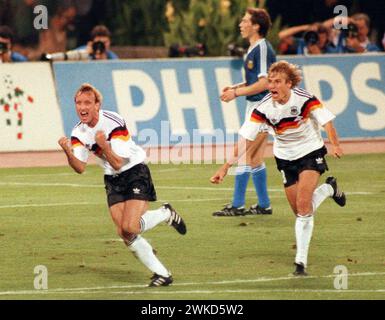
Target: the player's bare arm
(256, 87)
(237, 154)
(333, 138)
(234, 86)
(75, 163)
(115, 161)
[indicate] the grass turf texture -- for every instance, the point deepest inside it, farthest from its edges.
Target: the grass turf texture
(56, 218)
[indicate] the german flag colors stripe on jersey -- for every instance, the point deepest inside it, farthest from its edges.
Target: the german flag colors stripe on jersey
(75, 142)
(288, 122)
(119, 133)
(258, 117)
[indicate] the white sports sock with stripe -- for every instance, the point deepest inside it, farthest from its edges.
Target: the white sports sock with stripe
(324, 191)
(152, 218)
(143, 251)
(303, 232)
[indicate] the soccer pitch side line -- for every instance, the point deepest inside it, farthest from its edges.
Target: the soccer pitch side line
(77, 185)
(103, 289)
(151, 291)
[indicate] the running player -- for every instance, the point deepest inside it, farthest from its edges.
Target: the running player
(296, 117)
(127, 179)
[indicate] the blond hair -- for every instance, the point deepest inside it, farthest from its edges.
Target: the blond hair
(292, 71)
(86, 87)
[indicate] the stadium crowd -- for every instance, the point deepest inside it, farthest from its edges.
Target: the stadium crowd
(75, 25)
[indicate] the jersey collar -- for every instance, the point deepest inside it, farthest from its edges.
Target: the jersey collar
(255, 45)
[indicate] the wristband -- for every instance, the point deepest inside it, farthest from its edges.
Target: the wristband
(235, 92)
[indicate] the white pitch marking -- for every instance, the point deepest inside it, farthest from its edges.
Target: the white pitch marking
(263, 279)
(238, 291)
(47, 184)
(41, 175)
(152, 292)
(167, 170)
(63, 204)
(77, 185)
(49, 205)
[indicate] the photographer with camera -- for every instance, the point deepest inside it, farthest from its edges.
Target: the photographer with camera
(354, 39)
(6, 54)
(99, 46)
(315, 40)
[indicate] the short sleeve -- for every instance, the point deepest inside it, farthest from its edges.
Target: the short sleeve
(263, 62)
(79, 150)
(121, 142)
(319, 112)
(254, 125)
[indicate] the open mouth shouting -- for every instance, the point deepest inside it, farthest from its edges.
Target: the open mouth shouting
(83, 116)
(274, 94)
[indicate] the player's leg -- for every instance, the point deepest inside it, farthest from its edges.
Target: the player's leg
(259, 177)
(307, 183)
(166, 213)
(130, 224)
(242, 175)
(151, 218)
(291, 195)
(116, 212)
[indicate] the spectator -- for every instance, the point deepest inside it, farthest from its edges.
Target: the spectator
(27, 36)
(355, 38)
(314, 40)
(54, 39)
(6, 40)
(100, 44)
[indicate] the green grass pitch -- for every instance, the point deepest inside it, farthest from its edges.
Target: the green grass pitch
(56, 218)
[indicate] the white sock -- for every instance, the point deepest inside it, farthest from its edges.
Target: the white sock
(303, 232)
(320, 194)
(143, 251)
(152, 218)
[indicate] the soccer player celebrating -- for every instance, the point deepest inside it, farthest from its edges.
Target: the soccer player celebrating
(295, 116)
(260, 55)
(127, 179)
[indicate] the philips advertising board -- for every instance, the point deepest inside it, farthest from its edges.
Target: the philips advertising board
(170, 101)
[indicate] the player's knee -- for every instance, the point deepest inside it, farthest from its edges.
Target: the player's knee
(304, 206)
(130, 227)
(130, 238)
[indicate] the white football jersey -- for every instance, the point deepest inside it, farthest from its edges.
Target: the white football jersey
(115, 130)
(296, 124)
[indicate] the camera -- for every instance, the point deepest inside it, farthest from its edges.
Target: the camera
(73, 55)
(98, 47)
(351, 31)
(3, 47)
(176, 50)
(310, 38)
(236, 50)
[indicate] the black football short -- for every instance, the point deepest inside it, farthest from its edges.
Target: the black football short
(135, 183)
(291, 169)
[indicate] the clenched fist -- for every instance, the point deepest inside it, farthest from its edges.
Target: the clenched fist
(100, 139)
(64, 143)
